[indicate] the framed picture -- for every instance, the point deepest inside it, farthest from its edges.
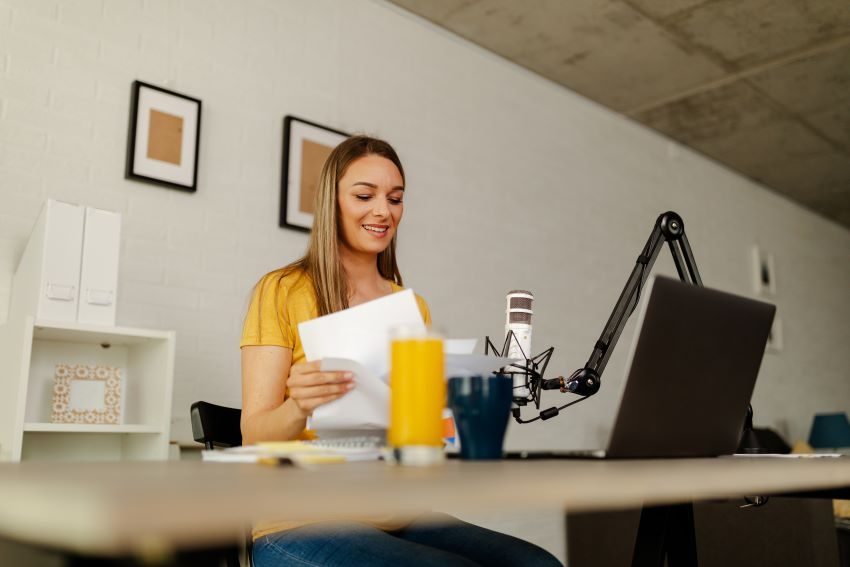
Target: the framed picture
(86, 394)
(164, 136)
(764, 272)
(306, 146)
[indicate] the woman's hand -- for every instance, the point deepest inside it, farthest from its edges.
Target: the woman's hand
(310, 387)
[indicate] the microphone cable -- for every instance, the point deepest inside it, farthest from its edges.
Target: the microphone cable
(545, 414)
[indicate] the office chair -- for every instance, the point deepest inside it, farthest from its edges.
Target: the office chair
(216, 426)
(219, 426)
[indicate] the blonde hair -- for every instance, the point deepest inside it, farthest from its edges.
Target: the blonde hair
(321, 262)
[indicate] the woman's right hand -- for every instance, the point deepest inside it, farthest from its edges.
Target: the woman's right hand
(309, 387)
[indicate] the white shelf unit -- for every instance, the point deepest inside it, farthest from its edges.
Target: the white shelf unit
(29, 353)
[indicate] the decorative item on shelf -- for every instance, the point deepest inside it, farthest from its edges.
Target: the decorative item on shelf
(830, 431)
(306, 146)
(86, 394)
(164, 137)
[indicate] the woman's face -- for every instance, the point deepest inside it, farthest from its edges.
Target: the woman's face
(370, 204)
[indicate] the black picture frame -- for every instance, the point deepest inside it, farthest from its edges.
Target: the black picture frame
(162, 171)
(295, 132)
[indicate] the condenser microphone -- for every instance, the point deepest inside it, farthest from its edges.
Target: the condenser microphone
(518, 319)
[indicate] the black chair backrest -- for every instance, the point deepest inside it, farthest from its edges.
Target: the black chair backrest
(216, 426)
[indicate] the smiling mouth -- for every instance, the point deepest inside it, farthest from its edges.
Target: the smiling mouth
(377, 230)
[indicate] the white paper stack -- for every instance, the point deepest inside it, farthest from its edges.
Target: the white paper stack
(298, 452)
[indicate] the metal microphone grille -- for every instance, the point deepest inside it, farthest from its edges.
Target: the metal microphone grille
(520, 317)
(519, 306)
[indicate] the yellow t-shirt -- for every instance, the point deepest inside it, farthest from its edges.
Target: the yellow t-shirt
(280, 301)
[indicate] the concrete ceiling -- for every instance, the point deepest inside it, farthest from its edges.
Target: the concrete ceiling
(762, 86)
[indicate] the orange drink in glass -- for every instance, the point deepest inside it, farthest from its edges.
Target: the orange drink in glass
(417, 396)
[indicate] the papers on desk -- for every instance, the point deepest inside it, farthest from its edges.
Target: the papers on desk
(357, 340)
(789, 455)
(298, 452)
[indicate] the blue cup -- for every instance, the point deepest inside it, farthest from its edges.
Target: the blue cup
(481, 406)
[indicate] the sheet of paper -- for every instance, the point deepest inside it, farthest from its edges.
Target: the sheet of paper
(459, 346)
(357, 340)
(364, 407)
(361, 333)
(472, 364)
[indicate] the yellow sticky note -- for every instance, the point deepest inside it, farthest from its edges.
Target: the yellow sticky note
(287, 447)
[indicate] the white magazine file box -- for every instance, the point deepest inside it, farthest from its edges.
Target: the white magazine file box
(99, 272)
(46, 282)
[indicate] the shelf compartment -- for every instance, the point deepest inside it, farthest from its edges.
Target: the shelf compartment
(31, 349)
(93, 446)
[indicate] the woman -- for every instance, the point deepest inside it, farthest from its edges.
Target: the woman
(351, 259)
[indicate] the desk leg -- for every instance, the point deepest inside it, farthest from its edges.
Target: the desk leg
(666, 531)
(681, 537)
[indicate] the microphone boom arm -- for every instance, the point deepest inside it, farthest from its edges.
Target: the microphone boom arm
(586, 381)
(668, 228)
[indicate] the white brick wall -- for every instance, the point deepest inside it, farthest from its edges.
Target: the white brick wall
(482, 140)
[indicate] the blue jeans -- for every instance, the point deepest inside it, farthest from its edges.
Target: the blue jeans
(435, 540)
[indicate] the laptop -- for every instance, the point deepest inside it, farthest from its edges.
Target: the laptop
(691, 371)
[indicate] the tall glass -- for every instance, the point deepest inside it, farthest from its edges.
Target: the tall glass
(417, 396)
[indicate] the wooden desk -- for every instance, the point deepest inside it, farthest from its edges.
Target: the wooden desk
(129, 508)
